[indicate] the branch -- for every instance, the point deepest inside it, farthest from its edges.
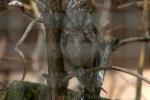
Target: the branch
(30, 26)
(145, 32)
(121, 70)
(40, 5)
(124, 6)
(103, 18)
(132, 40)
(17, 59)
(28, 29)
(22, 7)
(106, 56)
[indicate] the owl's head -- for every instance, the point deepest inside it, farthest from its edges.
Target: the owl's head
(77, 3)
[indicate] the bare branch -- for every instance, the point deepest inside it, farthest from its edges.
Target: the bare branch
(30, 26)
(132, 40)
(103, 18)
(121, 70)
(145, 32)
(28, 29)
(138, 4)
(115, 28)
(40, 5)
(17, 59)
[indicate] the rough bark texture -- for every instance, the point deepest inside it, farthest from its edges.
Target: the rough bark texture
(52, 19)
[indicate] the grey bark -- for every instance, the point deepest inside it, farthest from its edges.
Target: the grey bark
(56, 73)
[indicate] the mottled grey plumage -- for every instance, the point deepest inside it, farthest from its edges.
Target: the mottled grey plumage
(79, 42)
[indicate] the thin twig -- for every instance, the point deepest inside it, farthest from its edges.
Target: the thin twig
(22, 7)
(104, 18)
(124, 70)
(40, 5)
(126, 5)
(114, 29)
(121, 70)
(17, 59)
(40, 20)
(145, 32)
(132, 40)
(28, 29)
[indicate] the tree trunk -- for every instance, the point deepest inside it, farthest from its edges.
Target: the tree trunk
(52, 21)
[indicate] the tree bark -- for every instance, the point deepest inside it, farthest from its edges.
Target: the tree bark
(56, 73)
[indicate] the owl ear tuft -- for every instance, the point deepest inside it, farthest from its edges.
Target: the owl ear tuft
(72, 3)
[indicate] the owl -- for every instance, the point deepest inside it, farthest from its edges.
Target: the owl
(79, 44)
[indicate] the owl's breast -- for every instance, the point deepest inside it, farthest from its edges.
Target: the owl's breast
(80, 42)
(79, 49)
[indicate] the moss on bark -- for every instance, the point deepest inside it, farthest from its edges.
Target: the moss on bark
(25, 91)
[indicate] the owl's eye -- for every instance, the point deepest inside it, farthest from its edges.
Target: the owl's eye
(16, 3)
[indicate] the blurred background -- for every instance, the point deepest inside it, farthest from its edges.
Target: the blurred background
(118, 18)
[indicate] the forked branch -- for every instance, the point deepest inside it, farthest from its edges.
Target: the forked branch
(27, 31)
